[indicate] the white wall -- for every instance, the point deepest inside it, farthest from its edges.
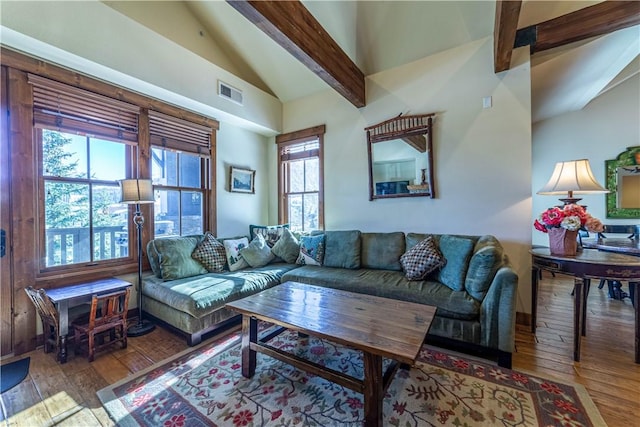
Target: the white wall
(602, 130)
(236, 211)
(482, 157)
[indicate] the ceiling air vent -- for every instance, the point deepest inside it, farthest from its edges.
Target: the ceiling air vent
(229, 92)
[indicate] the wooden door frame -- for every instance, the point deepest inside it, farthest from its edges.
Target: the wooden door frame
(6, 283)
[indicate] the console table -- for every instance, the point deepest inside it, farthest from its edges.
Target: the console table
(586, 265)
(73, 295)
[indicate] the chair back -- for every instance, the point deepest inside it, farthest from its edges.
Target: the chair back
(632, 230)
(44, 306)
(109, 309)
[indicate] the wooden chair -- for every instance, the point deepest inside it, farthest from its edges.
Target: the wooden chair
(49, 315)
(108, 314)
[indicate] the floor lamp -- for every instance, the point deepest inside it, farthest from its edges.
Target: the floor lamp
(138, 191)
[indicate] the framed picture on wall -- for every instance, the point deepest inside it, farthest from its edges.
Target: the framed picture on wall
(242, 180)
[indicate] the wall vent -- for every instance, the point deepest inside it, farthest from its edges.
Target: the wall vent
(229, 92)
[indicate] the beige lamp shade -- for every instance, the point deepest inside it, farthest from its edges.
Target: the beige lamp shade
(573, 176)
(134, 191)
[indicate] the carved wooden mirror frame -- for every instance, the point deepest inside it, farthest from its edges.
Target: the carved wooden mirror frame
(629, 161)
(417, 132)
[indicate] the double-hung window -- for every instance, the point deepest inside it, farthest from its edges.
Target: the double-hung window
(300, 182)
(180, 170)
(85, 144)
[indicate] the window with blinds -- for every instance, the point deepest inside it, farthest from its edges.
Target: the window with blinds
(300, 193)
(85, 142)
(181, 157)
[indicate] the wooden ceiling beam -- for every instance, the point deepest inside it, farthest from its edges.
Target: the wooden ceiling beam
(294, 28)
(504, 32)
(596, 20)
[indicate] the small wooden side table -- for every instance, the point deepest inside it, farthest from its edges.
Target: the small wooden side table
(73, 295)
(586, 265)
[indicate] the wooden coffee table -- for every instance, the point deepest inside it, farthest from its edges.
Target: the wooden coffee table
(379, 327)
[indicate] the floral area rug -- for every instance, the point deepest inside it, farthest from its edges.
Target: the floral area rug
(205, 387)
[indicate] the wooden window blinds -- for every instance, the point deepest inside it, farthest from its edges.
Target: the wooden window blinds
(58, 105)
(180, 135)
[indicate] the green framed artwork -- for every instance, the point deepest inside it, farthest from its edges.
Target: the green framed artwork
(623, 183)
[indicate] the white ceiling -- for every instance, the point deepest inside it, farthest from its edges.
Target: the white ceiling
(380, 35)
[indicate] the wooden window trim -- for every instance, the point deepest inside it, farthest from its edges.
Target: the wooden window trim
(294, 138)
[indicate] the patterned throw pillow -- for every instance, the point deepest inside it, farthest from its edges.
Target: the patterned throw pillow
(232, 248)
(257, 254)
(422, 259)
(211, 254)
(311, 250)
(271, 233)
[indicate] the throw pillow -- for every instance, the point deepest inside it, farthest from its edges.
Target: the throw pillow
(311, 250)
(422, 259)
(232, 248)
(211, 254)
(271, 233)
(457, 250)
(287, 247)
(257, 253)
(174, 257)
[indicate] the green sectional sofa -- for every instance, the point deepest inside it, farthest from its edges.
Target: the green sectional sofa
(474, 292)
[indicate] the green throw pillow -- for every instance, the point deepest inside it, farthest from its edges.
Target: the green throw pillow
(287, 247)
(457, 251)
(257, 253)
(174, 255)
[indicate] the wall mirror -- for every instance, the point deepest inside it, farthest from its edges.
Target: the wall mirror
(623, 183)
(401, 157)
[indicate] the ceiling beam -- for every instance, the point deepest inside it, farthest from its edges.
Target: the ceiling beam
(596, 20)
(294, 28)
(504, 33)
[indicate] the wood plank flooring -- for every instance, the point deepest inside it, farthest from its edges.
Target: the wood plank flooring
(54, 394)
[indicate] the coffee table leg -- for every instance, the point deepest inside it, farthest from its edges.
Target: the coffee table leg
(373, 393)
(249, 335)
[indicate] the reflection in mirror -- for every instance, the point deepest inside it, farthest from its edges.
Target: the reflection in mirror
(623, 182)
(400, 162)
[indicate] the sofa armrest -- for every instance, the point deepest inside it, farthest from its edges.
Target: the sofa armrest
(498, 311)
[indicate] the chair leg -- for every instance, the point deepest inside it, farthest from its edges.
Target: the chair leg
(92, 348)
(601, 285)
(124, 336)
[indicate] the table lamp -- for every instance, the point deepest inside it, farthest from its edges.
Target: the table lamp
(572, 177)
(138, 191)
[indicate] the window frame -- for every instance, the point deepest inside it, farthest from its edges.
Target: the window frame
(204, 189)
(130, 154)
(286, 141)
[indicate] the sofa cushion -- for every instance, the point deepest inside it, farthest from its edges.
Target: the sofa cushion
(271, 233)
(210, 253)
(382, 251)
(486, 260)
(287, 247)
(342, 249)
(174, 257)
(422, 259)
(457, 250)
(257, 253)
(390, 284)
(232, 248)
(311, 250)
(206, 293)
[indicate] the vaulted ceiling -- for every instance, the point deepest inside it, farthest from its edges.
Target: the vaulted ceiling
(379, 35)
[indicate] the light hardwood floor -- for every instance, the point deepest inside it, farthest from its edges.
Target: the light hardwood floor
(54, 394)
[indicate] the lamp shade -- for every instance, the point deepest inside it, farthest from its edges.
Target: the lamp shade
(134, 191)
(573, 176)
